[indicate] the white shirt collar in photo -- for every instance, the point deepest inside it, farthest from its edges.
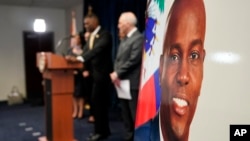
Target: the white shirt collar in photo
(161, 137)
(96, 31)
(131, 32)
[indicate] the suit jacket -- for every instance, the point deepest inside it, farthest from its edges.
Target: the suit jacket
(149, 131)
(128, 59)
(99, 56)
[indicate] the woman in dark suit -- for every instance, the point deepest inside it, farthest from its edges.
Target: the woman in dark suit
(78, 95)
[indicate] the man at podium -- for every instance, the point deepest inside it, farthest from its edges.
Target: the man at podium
(97, 52)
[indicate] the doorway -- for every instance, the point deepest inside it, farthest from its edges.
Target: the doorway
(34, 43)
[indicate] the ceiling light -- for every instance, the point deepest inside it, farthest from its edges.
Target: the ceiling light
(39, 25)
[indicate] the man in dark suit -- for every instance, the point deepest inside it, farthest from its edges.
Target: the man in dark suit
(181, 73)
(127, 66)
(97, 52)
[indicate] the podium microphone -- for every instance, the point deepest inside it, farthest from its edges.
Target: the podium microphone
(59, 49)
(59, 43)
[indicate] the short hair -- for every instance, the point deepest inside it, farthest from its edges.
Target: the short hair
(130, 17)
(92, 16)
(179, 7)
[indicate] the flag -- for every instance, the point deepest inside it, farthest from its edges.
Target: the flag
(73, 30)
(149, 94)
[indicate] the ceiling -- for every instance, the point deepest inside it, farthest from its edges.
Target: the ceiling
(62, 4)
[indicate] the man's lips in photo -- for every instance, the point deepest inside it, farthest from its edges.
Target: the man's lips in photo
(180, 105)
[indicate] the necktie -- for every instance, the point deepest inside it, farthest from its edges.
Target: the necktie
(91, 41)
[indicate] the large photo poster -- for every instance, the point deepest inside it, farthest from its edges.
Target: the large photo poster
(194, 72)
(177, 79)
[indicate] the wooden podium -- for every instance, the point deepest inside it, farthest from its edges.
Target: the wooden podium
(58, 87)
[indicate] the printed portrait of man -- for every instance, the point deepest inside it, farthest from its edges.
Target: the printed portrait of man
(181, 73)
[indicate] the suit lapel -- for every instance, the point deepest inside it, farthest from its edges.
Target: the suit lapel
(121, 48)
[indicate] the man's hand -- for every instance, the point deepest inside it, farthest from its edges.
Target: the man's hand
(85, 73)
(115, 79)
(75, 72)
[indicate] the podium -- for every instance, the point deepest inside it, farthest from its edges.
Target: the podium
(58, 87)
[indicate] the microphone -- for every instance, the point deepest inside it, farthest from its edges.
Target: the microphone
(69, 37)
(59, 43)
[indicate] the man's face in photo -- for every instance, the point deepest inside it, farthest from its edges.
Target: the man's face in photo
(181, 70)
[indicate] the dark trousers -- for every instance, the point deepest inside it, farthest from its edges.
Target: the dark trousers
(88, 86)
(128, 109)
(100, 102)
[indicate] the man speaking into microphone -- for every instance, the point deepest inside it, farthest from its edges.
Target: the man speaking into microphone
(97, 52)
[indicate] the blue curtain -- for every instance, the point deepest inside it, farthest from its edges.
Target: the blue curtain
(109, 11)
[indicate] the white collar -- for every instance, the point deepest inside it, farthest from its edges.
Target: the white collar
(131, 32)
(96, 30)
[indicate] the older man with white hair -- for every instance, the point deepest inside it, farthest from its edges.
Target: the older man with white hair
(127, 67)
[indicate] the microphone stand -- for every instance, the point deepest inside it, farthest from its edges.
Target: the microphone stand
(58, 48)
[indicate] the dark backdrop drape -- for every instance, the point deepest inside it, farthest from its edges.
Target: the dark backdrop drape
(109, 11)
